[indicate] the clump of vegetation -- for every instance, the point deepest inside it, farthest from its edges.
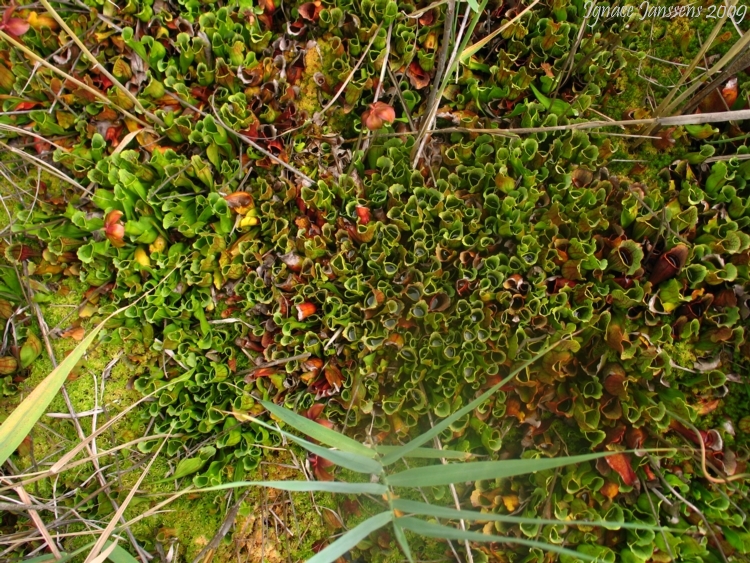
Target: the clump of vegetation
(370, 213)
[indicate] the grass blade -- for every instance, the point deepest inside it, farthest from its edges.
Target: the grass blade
(446, 532)
(64, 559)
(351, 538)
(401, 451)
(305, 486)
(104, 555)
(474, 49)
(401, 539)
(96, 551)
(119, 555)
(427, 453)
(23, 418)
(455, 61)
(415, 507)
(350, 460)
(318, 431)
(480, 470)
(355, 462)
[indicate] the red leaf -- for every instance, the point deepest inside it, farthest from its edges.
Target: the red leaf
(16, 26)
(333, 376)
(669, 264)
(427, 18)
(239, 200)
(621, 463)
(729, 92)
(265, 372)
(418, 77)
(294, 74)
(112, 134)
(666, 140)
(364, 214)
(720, 99)
(305, 309)
(314, 412)
(114, 230)
(377, 115)
(41, 146)
(615, 385)
(615, 435)
(320, 467)
(23, 106)
(649, 474)
(310, 10)
(635, 438)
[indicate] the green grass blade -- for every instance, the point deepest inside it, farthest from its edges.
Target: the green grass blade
(468, 52)
(480, 470)
(45, 558)
(427, 453)
(401, 451)
(447, 532)
(119, 555)
(556, 106)
(318, 431)
(49, 558)
(464, 42)
(353, 461)
(23, 418)
(401, 539)
(107, 550)
(304, 486)
(416, 507)
(351, 538)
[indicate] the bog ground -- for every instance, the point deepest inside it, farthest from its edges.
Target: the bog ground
(511, 233)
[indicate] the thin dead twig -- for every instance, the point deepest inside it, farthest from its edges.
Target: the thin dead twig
(38, 522)
(434, 99)
(454, 493)
(223, 529)
(243, 138)
(94, 553)
(667, 103)
(49, 168)
(696, 119)
(97, 66)
(351, 74)
(689, 505)
(384, 68)
(36, 58)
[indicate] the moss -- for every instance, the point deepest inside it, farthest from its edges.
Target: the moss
(308, 92)
(193, 519)
(682, 354)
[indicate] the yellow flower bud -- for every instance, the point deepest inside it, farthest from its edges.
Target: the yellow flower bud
(38, 21)
(248, 221)
(159, 245)
(142, 258)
